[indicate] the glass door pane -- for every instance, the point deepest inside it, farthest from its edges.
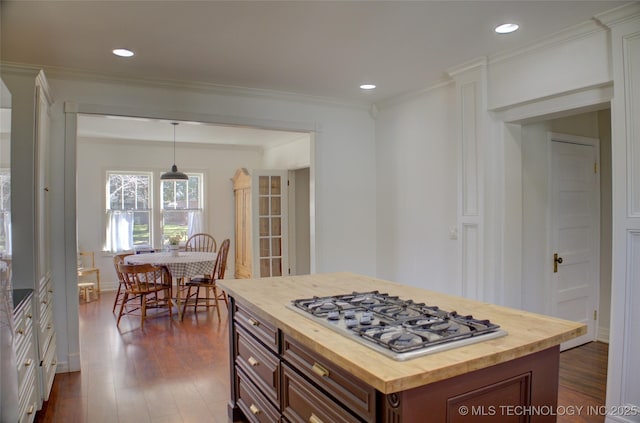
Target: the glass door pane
(270, 235)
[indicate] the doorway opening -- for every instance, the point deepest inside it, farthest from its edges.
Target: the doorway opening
(107, 143)
(552, 218)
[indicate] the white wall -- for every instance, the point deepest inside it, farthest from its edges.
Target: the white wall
(535, 223)
(417, 191)
(292, 155)
(96, 156)
(606, 224)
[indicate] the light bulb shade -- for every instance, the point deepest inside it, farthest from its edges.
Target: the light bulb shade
(174, 175)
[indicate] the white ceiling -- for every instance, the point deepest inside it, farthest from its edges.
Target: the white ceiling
(317, 48)
(138, 129)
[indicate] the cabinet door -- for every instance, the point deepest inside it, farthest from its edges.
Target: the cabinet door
(270, 239)
(43, 120)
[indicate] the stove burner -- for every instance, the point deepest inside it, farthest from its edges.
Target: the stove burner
(399, 328)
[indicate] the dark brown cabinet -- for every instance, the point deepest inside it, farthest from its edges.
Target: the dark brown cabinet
(278, 379)
(274, 377)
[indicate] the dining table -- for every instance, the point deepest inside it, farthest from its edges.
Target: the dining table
(182, 265)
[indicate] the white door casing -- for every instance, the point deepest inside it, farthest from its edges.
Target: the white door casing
(575, 232)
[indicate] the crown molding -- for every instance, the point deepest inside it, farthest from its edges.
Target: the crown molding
(54, 72)
(19, 69)
(478, 63)
(582, 30)
(619, 14)
(403, 98)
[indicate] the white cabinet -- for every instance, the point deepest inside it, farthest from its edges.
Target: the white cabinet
(26, 359)
(46, 338)
(30, 188)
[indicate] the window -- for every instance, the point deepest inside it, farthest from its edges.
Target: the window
(5, 212)
(128, 210)
(131, 213)
(181, 207)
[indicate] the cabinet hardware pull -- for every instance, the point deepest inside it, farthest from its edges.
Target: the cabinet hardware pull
(314, 419)
(49, 326)
(254, 410)
(319, 370)
(50, 291)
(253, 322)
(253, 361)
(29, 316)
(21, 331)
(28, 363)
(45, 302)
(31, 410)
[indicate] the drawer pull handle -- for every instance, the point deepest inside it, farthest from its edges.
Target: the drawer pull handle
(254, 410)
(253, 322)
(50, 291)
(28, 363)
(253, 361)
(314, 419)
(29, 316)
(21, 331)
(31, 410)
(45, 302)
(320, 371)
(49, 326)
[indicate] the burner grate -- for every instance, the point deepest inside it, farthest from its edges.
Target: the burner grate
(401, 328)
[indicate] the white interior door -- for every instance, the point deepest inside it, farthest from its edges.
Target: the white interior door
(575, 233)
(270, 236)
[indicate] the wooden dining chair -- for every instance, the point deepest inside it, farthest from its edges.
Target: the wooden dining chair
(201, 242)
(209, 284)
(146, 286)
(119, 259)
(87, 266)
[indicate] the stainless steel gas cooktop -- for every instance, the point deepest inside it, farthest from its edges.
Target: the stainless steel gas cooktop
(400, 329)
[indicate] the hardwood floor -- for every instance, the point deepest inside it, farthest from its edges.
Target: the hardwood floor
(179, 371)
(583, 382)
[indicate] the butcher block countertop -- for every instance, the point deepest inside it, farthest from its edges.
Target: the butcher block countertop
(269, 299)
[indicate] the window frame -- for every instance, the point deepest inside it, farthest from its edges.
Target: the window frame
(155, 201)
(150, 200)
(162, 209)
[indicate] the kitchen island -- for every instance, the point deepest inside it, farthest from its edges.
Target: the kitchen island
(287, 367)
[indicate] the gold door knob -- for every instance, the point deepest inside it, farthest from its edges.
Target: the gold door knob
(556, 261)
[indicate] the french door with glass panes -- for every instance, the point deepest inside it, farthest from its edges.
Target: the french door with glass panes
(269, 214)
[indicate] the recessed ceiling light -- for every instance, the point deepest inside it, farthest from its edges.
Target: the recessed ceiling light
(507, 28)
(123, 52)
(367, 86)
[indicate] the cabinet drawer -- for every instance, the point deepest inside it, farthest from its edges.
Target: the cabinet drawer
(23, 339)
(45, 300)
(353, 393)
(259, 363)
(28, 399)
(303, 403)
(49, 366)
(46, 329)
(262, 330)
(256, 408)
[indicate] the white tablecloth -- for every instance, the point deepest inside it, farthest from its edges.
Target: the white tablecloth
(186, 265)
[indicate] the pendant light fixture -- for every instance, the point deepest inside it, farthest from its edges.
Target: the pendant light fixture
(174, 174)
